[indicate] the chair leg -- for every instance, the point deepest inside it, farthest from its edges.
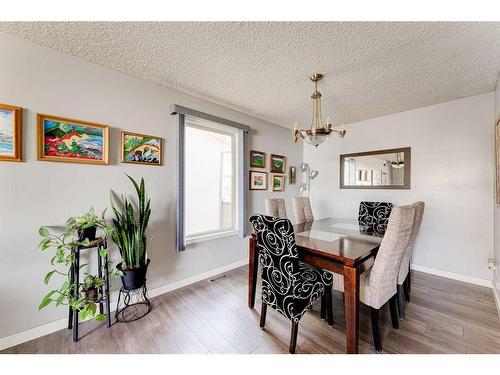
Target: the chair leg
(323, 306)
(263, 312)
(394, 312)
(406, 287)
(329, 306)
(375, 314)
(293, 338)
(401, 303)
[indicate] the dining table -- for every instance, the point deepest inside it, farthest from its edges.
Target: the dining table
(341, 246)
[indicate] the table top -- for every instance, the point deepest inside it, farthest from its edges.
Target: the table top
(341, 240)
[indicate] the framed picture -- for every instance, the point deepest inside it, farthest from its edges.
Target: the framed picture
(141, 149)
(258, 180)
(11, 133)
(277, 164)
(257, 159)
(278, 182)
(292, 175)
(74, 141)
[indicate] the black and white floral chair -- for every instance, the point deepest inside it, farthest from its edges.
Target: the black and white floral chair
(374, 216)
(288, 285)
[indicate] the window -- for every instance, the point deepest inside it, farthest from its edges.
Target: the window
(210, 187)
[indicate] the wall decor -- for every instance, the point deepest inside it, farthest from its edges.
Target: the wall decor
(292, 175)
(11, 128)
(277, 164)
(257, 159)
(74, 141)
(278, 182)
(141, 149)
(381, 169)
(258, 180)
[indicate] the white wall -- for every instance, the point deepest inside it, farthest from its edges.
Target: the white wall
(497, 207)
(452, 172)
(35, 193)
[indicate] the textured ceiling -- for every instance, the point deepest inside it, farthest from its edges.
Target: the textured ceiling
(262, 68)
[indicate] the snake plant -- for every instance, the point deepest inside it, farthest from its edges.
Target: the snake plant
(130, 227)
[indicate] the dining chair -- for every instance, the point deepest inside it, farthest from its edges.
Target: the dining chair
(373, 216)
(377, 286)
(288, 285)
(275, 207)
(302, 211)
(404, 276)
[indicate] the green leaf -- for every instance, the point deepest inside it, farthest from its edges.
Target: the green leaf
(84, 313)
(60, 299)
(103, 253)
(46, 300)
(48, 276)
(44, 232)
(45, 243)
(100, 317)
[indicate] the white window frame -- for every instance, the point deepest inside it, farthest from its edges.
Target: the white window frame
(215, 127)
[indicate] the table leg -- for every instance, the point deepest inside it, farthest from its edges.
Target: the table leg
(351, 307)
(253, 266)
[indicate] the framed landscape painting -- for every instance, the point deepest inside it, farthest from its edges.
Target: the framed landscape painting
(257, 159)
(278, 182)
(74, 141)
(141, 149)
(258, 180)
(277, 164)
(10, 133)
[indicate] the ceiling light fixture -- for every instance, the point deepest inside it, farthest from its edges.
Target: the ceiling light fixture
(317, 133)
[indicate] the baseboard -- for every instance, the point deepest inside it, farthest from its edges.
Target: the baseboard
(452, 275)
(496, 294)
(33, 333)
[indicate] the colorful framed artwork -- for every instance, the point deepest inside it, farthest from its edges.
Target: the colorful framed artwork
(277, 182)
(257, 159)
(277, 164)
(11, 133)
(141, 149)
(258, 180)
(292, 175)
(73, 141)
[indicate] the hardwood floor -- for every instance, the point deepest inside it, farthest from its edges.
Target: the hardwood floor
(444, 316)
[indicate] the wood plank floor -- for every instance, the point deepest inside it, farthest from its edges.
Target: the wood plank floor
(444, 316)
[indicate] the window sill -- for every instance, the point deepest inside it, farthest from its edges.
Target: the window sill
(210, 236)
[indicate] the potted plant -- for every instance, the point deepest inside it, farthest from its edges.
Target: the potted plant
(90, 287)
(130, 236)
(63, 260)
(87, 225)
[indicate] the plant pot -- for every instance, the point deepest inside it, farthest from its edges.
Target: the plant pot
(89, 233)
(91, 294)
(133, 278)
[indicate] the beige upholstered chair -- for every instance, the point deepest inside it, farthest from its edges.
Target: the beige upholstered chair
(404, 277)
(378, 284)
(302, 211)
(275, 207)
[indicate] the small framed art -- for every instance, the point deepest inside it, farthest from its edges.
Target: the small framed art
(141, 149)
(277, 182)
(258, 180)
(257, 159)
(74, 141)
(11, 129)
(277, 164)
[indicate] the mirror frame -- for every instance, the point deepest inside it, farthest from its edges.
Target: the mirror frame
(407, 168)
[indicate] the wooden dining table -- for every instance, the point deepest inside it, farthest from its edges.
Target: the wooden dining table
(339, 246)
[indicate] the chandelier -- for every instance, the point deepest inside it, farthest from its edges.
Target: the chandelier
(398, 163)
(317, 133)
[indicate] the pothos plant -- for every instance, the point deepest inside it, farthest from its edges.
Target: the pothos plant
(63, 261)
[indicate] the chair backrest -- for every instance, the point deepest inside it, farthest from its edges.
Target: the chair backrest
(275, 207)
(373, 216)
(405, 260)
(302, 211)
(279, 259)
(385, 270)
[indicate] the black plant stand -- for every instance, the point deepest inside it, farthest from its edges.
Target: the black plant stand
(98, 244)
(135, 304)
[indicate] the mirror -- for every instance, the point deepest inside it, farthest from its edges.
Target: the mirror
(383, 169)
